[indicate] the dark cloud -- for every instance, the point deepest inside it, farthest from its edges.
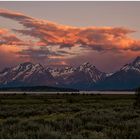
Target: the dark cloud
(41, 53)
(62, 52)
(7, 38)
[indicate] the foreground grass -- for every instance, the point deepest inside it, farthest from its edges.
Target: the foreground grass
(69, 116)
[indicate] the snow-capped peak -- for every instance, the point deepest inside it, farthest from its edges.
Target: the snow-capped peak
(86, 64)
(22, 66)
(135, 65)
(26, 72)
(136, 62)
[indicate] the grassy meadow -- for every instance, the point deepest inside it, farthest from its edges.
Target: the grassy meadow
(68, 116)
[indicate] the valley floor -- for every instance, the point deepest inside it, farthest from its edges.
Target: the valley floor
(68, 116)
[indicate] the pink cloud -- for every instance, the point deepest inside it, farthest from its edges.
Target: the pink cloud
(49, 33)
(111, 42)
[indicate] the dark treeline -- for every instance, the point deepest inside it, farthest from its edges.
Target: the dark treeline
(37, 88)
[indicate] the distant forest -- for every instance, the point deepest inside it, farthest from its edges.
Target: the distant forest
(38, 88)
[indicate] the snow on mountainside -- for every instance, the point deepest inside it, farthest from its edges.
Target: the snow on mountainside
(27, 73)
(109, 74)
(128, 77)
(134, 66)
(84, 77)
(92, 72)
(36, 74)
(57, 72)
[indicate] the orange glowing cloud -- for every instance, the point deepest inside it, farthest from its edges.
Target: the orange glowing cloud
(57, 44)
(8, 38)
(10, 44)
(49, 33)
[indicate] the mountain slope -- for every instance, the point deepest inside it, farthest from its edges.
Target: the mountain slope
(128, 77)
(82, 77)
(26, 74)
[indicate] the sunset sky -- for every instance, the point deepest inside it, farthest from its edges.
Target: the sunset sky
(107, 34)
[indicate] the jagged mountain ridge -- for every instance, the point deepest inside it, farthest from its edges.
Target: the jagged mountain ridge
(26, 74)
(83, 77)
(35, 74)
(128, 77)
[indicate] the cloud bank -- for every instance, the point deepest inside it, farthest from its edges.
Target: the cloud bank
(96, 38)
(7, 38)
(58, 42)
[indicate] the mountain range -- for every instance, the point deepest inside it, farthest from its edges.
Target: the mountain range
(83, 77)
